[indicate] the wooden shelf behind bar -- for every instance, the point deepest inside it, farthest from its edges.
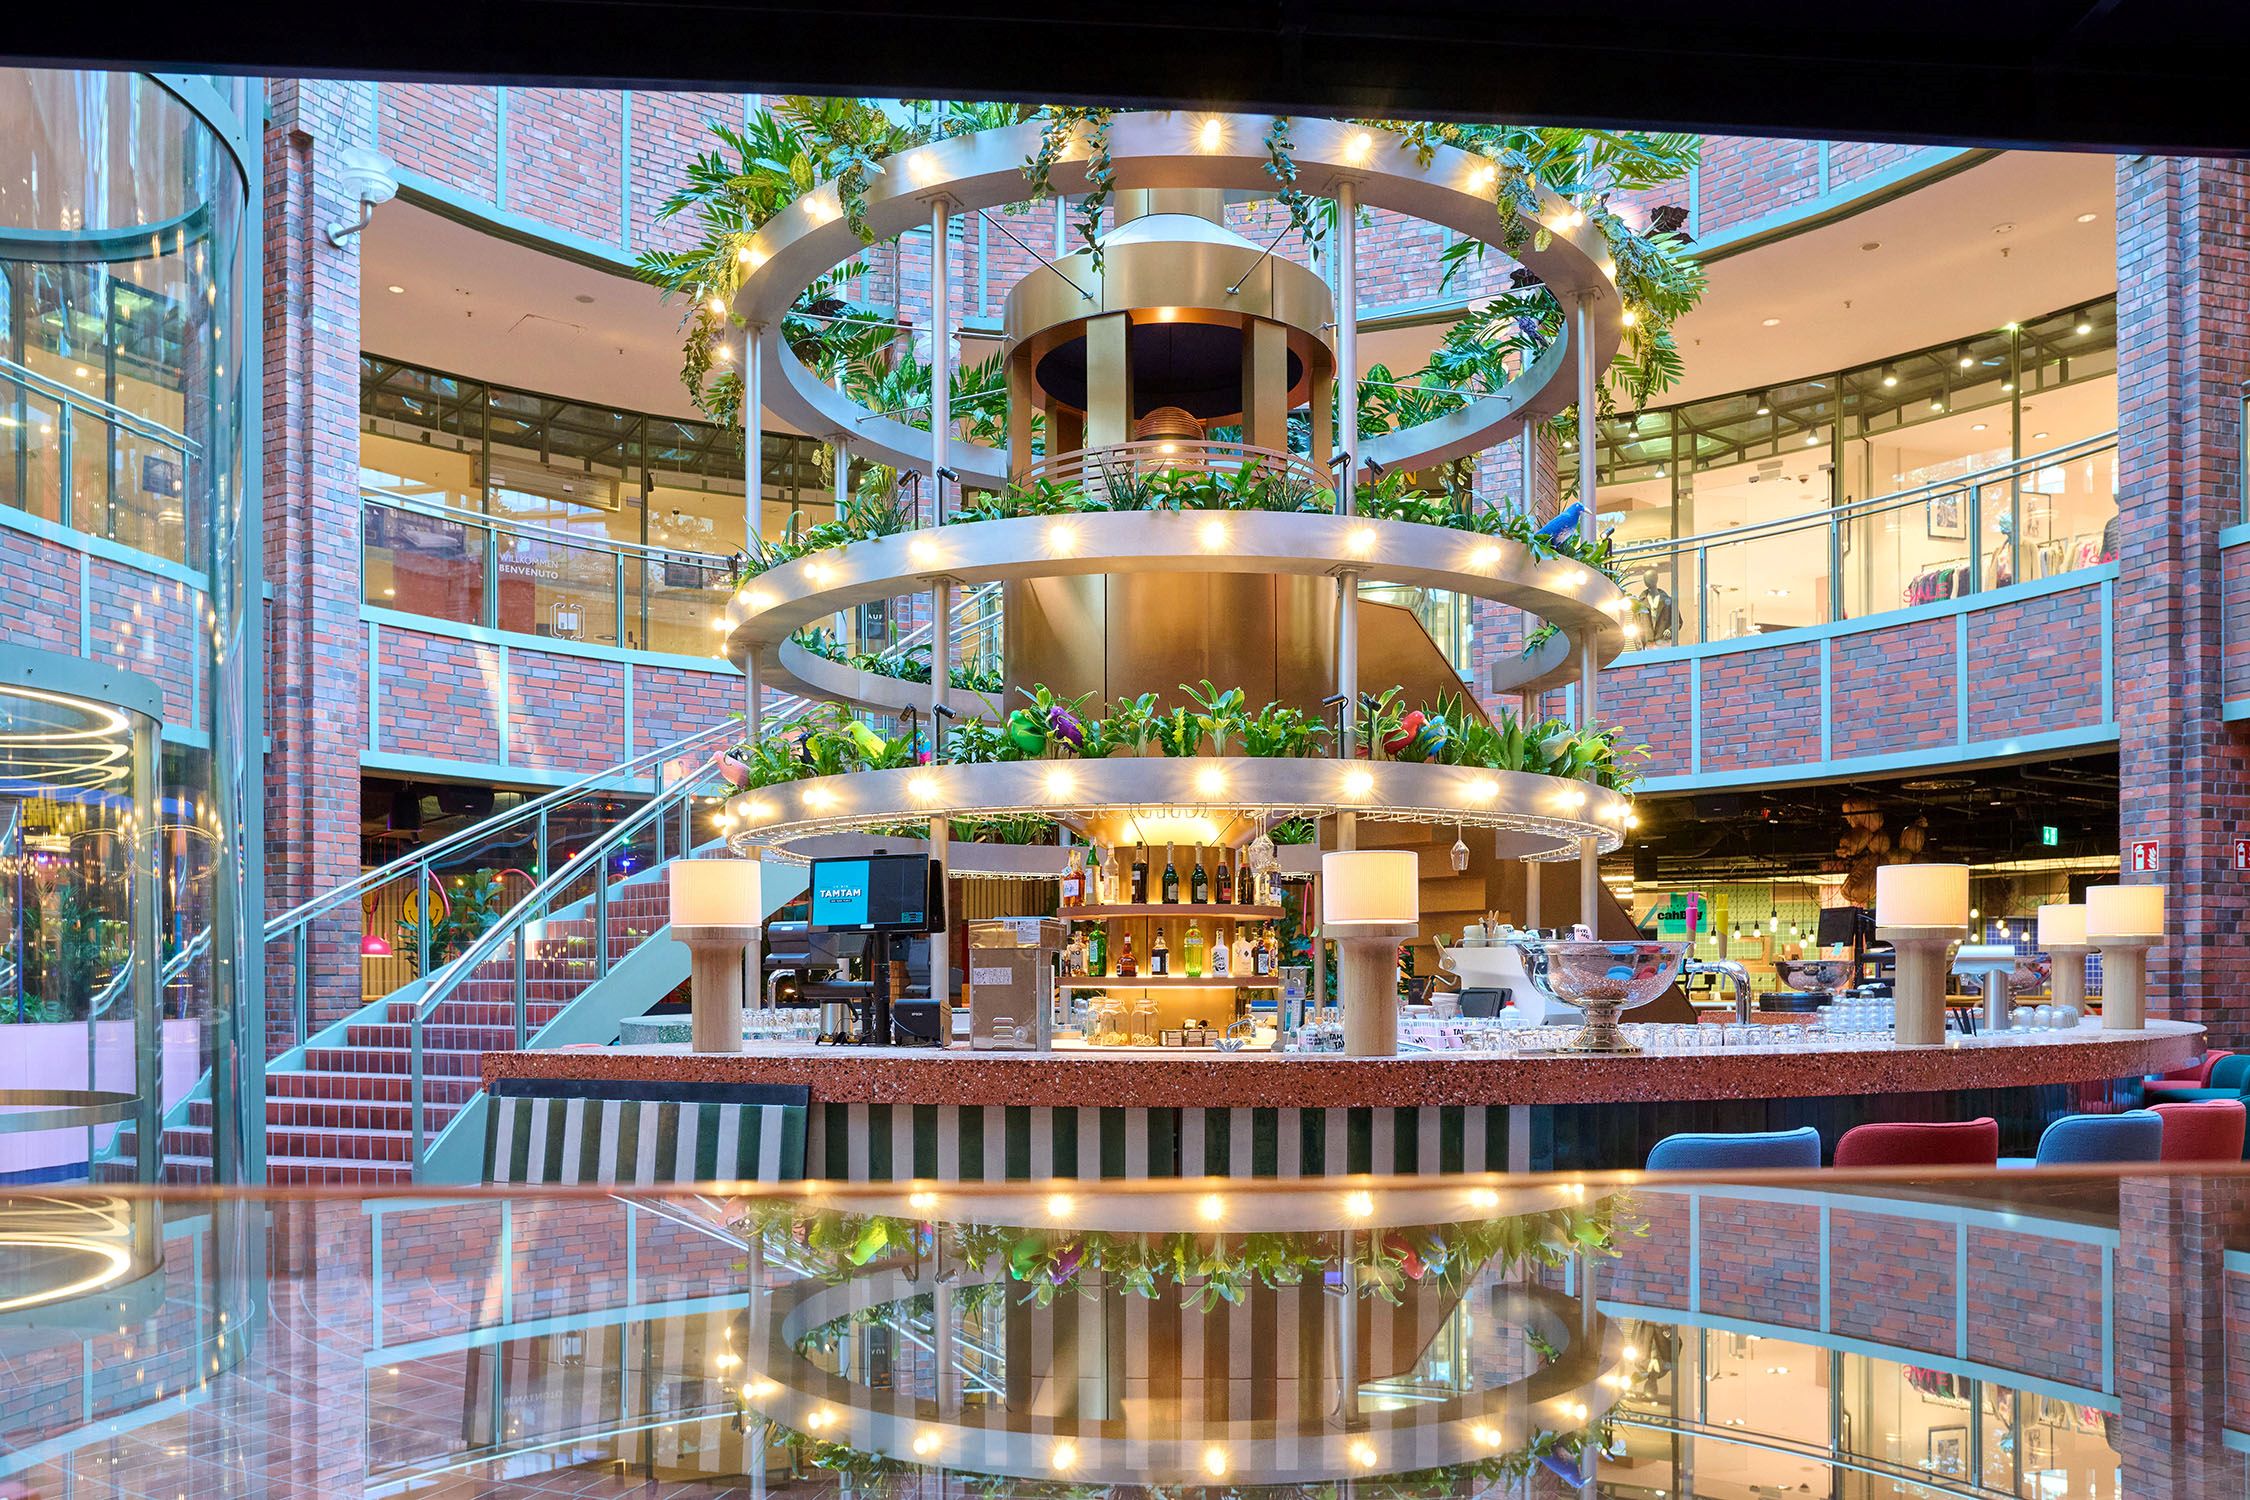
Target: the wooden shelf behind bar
(1169, 982)
(1173, 909)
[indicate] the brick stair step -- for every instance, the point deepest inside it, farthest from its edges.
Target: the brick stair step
(436, 1037)
(435, 1063)
(472, 1013)
(314, 1172)
(340, 1114)
(351, 1087)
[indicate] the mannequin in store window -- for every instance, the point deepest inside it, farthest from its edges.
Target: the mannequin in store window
(1659, 617)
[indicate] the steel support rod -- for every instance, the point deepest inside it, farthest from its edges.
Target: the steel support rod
(1589, 664)
(1347, 686)
(941, 673)
(1347, 341)
(753, 484)
(941, 354)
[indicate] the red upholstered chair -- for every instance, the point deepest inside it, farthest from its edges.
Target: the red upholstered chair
(1957, 1143)
(2204, 1130)
(2195, 1075)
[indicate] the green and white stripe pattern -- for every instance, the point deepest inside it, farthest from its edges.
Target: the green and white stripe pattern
(1017, 1143)
(537, 1139)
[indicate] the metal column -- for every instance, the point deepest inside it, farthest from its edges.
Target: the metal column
(753, 486)
(1347, 443)
(1589, 665)
(941, 590)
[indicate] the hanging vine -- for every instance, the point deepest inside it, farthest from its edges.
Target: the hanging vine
(1281, 166)
(1065, 122)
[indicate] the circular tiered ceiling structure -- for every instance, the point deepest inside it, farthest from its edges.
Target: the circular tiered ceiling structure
(1171, 553)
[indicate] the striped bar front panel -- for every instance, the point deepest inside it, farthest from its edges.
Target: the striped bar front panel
(1019, 1143)
(535, 1139)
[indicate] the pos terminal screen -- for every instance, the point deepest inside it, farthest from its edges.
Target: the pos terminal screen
(880, 893)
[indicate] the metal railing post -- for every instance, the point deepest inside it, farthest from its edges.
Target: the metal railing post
(522, 987)
(1976, 538)
(617, 599)
(1835, 568)
(1702, 595)
(544, 871)
(414, 1086)
(601, 916)
(491, 612)
(422, 920)
(299, 981)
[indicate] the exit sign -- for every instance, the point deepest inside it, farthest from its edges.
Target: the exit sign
(2049, 835)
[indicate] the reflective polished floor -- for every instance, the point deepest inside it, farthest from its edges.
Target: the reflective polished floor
(1449, 1337)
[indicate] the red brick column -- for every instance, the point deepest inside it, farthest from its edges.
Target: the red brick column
(1498, 631)
(316, 649)
(2171, 1332)
(2183, 276)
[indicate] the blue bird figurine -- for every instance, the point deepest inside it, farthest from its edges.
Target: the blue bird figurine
(1565, 522)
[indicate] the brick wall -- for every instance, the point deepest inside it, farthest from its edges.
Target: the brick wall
(438, 696)
(2183, 276)
(565, 713)
(2038, 666)
(1761, 707)
(444, 131)
(1893, 689)
(1649, 703)
(147, 624)
(2234, 568)
(565, 157)
(1742, 179)
(39, 597)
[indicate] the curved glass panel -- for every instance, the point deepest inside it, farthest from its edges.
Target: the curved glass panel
(124, 403)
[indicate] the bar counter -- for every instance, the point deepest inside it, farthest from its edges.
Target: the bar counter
(1204, 1078)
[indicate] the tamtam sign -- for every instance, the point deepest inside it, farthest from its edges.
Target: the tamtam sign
(2143, 860)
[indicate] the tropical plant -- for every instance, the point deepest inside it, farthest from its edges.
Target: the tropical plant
(1278, 731)
(471, 906)
(1179, 733)
(1219, 714)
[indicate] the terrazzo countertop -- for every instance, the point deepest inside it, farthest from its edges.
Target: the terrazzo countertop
(1171, 1078)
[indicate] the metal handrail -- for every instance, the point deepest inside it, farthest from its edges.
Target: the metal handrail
(1159, 455)
(719, 562)
(511, 931)
(108, 411)
(1874, 504)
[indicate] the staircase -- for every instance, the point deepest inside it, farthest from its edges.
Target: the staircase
(342, 1112)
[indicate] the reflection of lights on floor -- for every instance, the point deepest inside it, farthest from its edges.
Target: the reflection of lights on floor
(116, 1260)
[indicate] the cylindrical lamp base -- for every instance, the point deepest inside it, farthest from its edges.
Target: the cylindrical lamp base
(1918, 991)
(715, 985)
(1367, 988)
(2124, 985)
(2069, 982)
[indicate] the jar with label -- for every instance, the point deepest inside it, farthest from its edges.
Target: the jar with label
(1144, 1021)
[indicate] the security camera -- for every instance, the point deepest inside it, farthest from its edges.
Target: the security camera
(366, 178)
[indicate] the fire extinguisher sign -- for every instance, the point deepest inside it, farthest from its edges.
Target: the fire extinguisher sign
(2145, 860)
(2242, 854)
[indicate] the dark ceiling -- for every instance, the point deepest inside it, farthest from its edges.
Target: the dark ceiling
(2113, 75)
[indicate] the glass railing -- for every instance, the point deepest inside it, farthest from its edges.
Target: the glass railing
(2039, 517)
(446, 564)
(2051, 1334)
(70, 457)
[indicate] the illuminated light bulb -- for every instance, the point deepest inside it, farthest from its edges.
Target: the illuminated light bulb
(726, 354)
(1060, 1205)
(1214, 134)
(1360, 1205)
(719, 625)
(819, 572)
(1058, 783)
(819, 798)
(922, 552)
(1632, 820)
(1214, 536)
(1358, 146)
(1632, 630)
(1363, 1453)
(1484, 1198)
(718, 307)
(1361, 541)
(1485, 557)
(1212, 1208)
(1062, 1455)
(758, 599)
(1210, 781)
(1062, 537)
(924, 1200)
(1215, 1461)
(1484, 176)
(1483, 789)
(1578, 1410)
(1631, 317)
(926, 1444)
(1631, 1351)
(1486, 1434)
(821, 211)
(1358, 783)
(726, 1361)
(743, 255)
(921, 789)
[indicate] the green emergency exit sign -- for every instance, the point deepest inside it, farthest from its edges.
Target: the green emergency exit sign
(2049, 835)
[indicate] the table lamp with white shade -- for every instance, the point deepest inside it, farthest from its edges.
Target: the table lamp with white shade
(1370, 902)
(2124, 921)
(2062, 937)
(717, 909)
(1921, 910)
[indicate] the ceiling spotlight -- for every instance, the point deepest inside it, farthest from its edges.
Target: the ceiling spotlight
(2039, 437)
(1976, 427)
(1765, 405)
(1890, 376)
(2088, 218)
(1773, 322)
(1968, 360)
(395, 290)
(1937, 403)
(2085, 324)
(1214, 133)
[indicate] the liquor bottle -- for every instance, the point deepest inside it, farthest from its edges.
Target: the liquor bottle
(1223, 886)
(1171, 879)
(1199, 884)
(1222, 962)
(1191, 949)
(1159, 955)
(1262, 959)
(1097, 951)
(1244, 962)
(1074, 878)
(1126, 968)
(1140, 875)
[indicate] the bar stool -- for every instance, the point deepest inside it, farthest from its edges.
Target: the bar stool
(2074, 1140)
(1952, 1143)
(1693, 1152)
(2203, 1129)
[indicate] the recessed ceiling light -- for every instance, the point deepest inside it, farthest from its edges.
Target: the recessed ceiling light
(1773, 322)
(1871, 245)
(1976, 427)
(395, 289)
(2088, 218)
(2038, 437)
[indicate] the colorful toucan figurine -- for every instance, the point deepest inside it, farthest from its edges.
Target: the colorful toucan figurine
(1566, 521)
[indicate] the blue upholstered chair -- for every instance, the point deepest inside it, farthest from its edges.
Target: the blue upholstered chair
(2228, 1077)
(1691, 1152)
(2077, 1140)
